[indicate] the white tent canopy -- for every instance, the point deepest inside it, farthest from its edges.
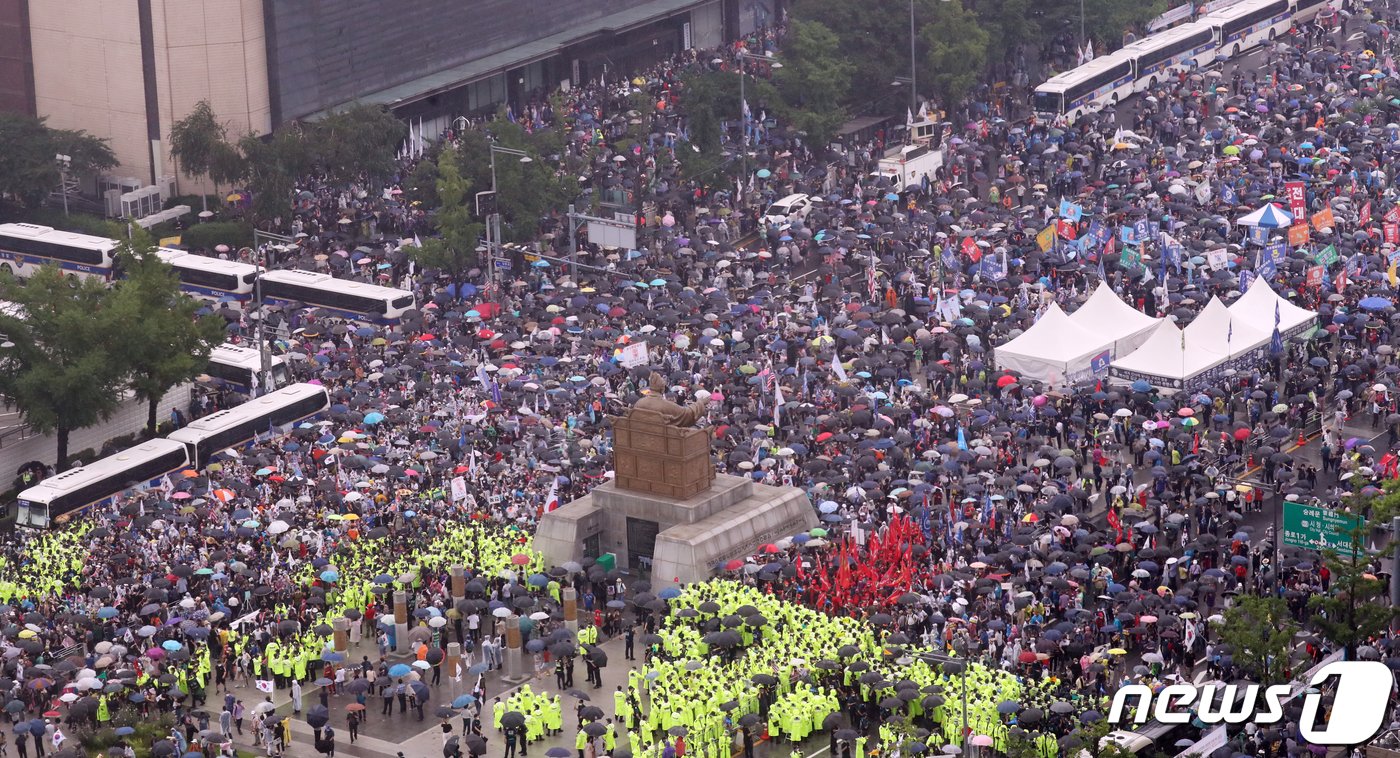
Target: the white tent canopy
(1256, 307)
(1163, 355)
(1118, 325)
(1218, 332)
(1053, 350)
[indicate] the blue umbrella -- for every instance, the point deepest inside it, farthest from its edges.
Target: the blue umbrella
(1376, 303)
(400, 669)
(330, 576)
(171, 645)
(462, 701)
(107, 613)
(373, 418)
(669, 593)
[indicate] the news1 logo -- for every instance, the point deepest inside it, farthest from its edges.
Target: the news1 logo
(1358, 708)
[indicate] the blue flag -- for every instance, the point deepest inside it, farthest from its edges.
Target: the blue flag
(962, 439)
(1276, 341)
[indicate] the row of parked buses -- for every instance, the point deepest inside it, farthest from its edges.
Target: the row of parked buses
(26, 247)
(59, 498)
(1140, 66)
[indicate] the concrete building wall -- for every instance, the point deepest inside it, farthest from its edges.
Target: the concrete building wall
(215, 52)
(16, 69)
(88, 74)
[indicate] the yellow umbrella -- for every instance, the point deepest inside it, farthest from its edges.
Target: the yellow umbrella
(1117, 651)
(350, 517)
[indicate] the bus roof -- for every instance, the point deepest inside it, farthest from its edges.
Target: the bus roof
(245, 412)
(331, 283)
(204, 262)
(237, 355)
(49, 234)
(1176, 34)
(1067, 79)
(1235, 11)
(101, 468)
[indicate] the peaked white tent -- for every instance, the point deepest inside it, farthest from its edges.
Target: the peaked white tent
(1118, 325)
(1256, 307)
(1217, 331)
(1054, 350)
(1171, 357)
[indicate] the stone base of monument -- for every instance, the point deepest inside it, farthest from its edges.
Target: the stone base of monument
(675, 541)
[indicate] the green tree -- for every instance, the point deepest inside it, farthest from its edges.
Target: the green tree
(1354, 610)
(28, 171)
(274, 163)
(199, 142)
(1008, 23)
(65, 370)
(526, 191)
(162, 340)
(454, 251)
(957, 52)
(1261, 630)
(1107, 20)
(1091, 738)
(355, 143)
(707, 99)
(874, 39)
(812, 80)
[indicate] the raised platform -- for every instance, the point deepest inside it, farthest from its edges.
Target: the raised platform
(683, 540)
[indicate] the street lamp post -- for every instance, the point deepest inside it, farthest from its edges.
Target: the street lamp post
(913, 77)
(743, 104)
(65, 162)
(493, 221)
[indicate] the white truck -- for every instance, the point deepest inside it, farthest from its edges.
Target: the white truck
(907, 166)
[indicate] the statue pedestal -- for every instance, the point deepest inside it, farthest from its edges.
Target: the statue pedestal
(653, 457)
(667, 512)
(683, 541)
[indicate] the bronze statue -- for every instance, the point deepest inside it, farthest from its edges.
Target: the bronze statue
(672, 414)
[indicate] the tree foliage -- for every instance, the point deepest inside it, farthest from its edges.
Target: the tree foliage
(810, 83)
(1354, 609)
(1261, 630)
(28, 170)
(66, 369)
(525, 191)
(956, 52)
(199, 142)
(454, 250)
(274, 163)
(161, 338)
(355, 143)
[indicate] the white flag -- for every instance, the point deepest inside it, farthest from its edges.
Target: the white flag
(840, 370)
(777, 404)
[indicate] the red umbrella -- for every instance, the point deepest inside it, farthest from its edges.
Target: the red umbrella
(734, 565)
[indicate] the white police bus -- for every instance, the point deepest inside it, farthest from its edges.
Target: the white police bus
(59, 498)
(354, 300)
(211, 278)
(1161, 56)
(237, 368)
(1250, 23)
(1101, 82)
(24, 248)
(204, 437)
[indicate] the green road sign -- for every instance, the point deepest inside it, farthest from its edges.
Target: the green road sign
(1317, 528)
